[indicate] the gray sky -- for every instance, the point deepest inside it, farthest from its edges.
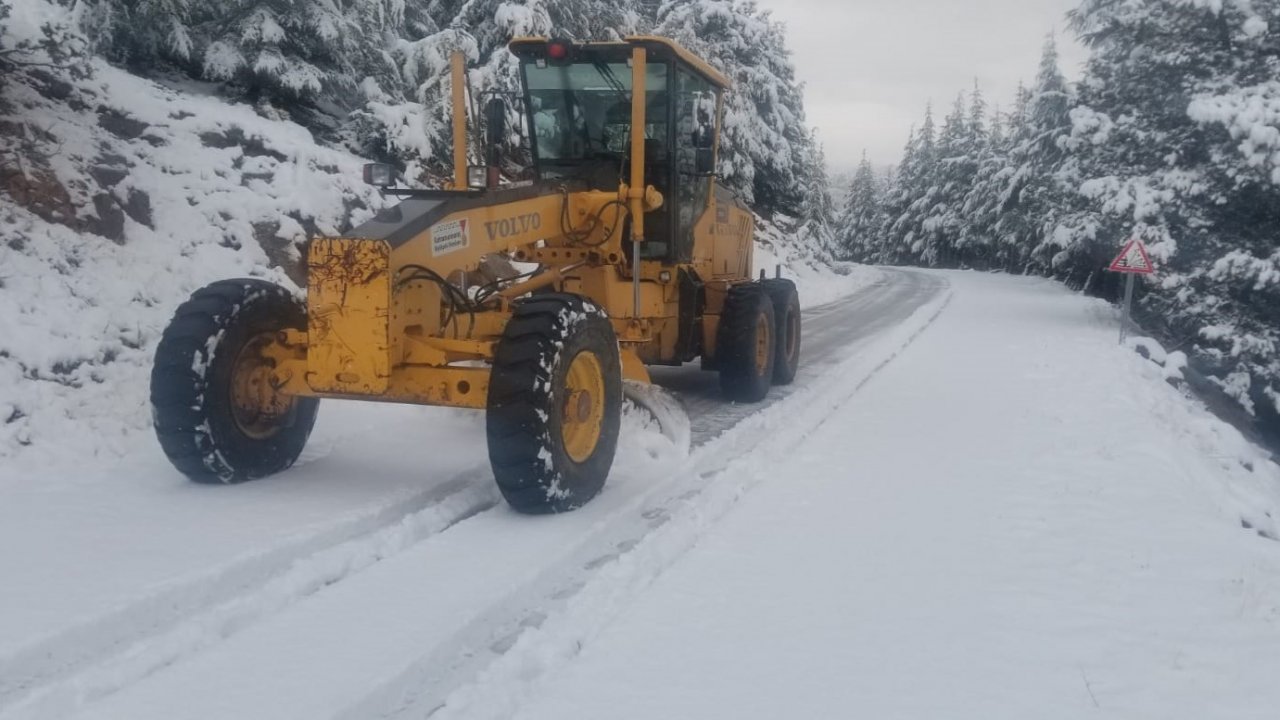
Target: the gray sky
(869, 66)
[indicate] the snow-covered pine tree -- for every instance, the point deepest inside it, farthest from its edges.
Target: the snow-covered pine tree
(944, 219)
(999, 190)
(1155, 154)
(916, 193)
(1040, 183)
(494, 22)
(862, 219)
(411, 124)
(299, 49)
(817, 211)
(973, 242)
(596, 19)
(983, 208)
(996, 134)
(1240, 111)
(977, 126)
(896, 200)
(142, 32)
(286, 51)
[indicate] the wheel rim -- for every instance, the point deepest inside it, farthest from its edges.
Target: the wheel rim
(258, 408)
(582, 416)
(763, 345)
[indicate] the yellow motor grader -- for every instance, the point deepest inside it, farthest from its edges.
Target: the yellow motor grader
(532, 301)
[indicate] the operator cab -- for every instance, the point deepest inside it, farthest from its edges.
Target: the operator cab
(578, 100)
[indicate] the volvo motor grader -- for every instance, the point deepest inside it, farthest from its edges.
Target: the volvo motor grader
(532, 301)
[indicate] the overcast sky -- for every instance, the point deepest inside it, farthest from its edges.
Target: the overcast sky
(869, 66)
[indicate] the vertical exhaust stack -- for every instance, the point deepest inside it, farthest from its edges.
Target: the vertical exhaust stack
(638, 91)
(458, 70)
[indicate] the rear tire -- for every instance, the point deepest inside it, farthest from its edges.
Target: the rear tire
(555, 404)
(212, 336)
(745, 347)
(786, 311)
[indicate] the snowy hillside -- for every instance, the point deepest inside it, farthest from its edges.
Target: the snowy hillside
(123, 203)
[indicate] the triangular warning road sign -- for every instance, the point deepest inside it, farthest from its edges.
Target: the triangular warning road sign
(1133, 259)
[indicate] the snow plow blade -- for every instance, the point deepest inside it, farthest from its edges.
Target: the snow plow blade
(665, 409)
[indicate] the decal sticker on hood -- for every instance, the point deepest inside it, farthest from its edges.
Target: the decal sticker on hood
(449, 236)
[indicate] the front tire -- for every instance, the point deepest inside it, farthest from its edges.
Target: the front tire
(215, 415)
(555, 404)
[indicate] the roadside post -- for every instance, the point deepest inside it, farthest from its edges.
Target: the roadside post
(1132, 260)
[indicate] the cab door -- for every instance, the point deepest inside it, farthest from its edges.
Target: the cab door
(695, 110)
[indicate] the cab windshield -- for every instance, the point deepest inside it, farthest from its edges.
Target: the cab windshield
(582, 111)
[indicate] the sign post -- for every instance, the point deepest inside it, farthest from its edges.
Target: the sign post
(1128, 305)
(1132, 260)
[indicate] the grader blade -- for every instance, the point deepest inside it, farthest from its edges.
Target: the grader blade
(666, 410)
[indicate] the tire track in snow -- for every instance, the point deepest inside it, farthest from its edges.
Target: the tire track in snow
(719, 478)
(267, 585)
(525, 635)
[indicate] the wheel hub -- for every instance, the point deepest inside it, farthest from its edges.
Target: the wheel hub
(582, 416)
(578, 406)
(257, 407)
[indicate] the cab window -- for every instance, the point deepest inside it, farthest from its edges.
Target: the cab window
(582, 111)
(695, 110)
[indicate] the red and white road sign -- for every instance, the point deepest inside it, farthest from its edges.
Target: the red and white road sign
(1133, 259)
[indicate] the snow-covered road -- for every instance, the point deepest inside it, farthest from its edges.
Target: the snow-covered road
(131, 570)
(972, 503)
(1016, 519)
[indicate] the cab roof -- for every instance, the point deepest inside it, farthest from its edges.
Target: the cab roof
(659, 48)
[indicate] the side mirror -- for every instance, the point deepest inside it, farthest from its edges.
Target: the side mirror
(380, 174)
(705, 163)
(495, 121)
